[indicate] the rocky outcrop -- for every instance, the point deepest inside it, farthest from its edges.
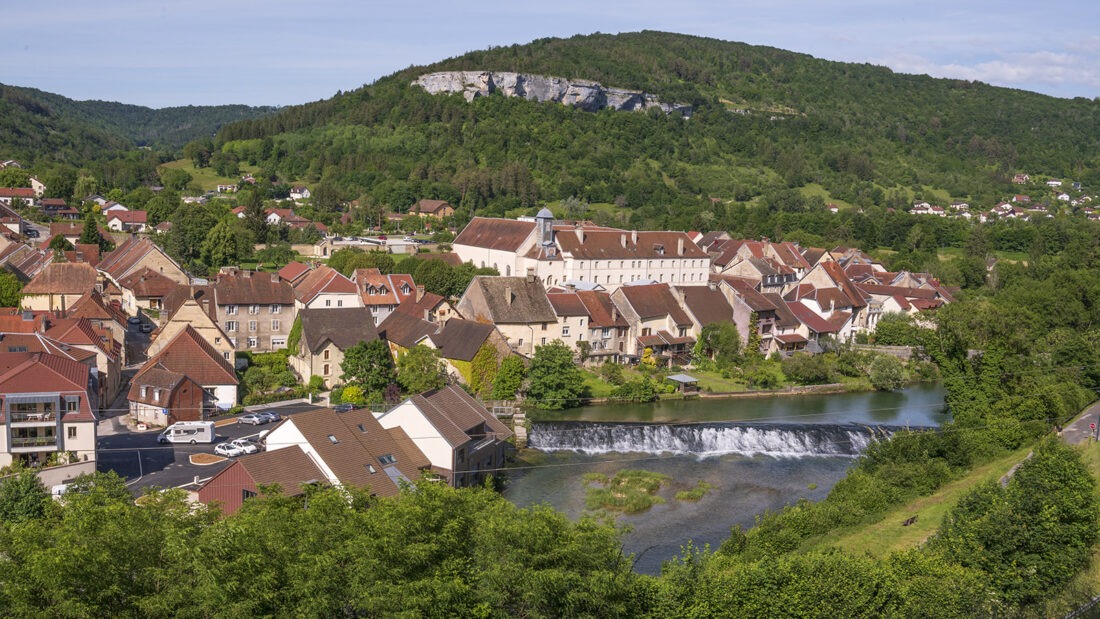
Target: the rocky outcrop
(583, 94)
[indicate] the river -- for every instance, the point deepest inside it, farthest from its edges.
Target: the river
(758, 453)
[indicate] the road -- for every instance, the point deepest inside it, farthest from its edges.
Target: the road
(143, 463)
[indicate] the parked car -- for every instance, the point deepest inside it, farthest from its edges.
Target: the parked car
(272, 416)
(228, 450)
(343, 408)
(253, 419)
(146, 328)
(32, 233)
(245, 445)
(134, 320)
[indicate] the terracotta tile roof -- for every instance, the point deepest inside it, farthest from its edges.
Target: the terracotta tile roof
(457, 416)
(126, 257)
(515, 300)
(815, 323)
(784, 319)
(91, 306)
(38, 343)
(748, 294)
(154, 377)
(354, 450)
(461, 339)
(343, 326)
(789, 253)
(567, 304)
(405, 330)
(601, 311)
(322, 280)
(836, 272)
(129, 217)
(147, 283)
(174, 300)
(493, 233)
(82, 332)
(252, 288)
(791, 338)
(45, 373)
(25, 193)
(709, 238)
(74, 228)
(624, 245)
(379, 289)
(63, 278)
(15, 321)
(915, 293)
(188, 353)
(83, 252)
(24, 261)
(428, 303)
(289, 468)
(707, 305)
(429, 206)
(655, 300)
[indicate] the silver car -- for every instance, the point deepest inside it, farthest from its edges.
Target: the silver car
(228, 450)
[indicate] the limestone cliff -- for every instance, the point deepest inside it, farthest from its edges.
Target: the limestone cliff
(586, 95)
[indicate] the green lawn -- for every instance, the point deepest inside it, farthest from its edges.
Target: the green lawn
(888, 535)
(207, 178)
(713, 381)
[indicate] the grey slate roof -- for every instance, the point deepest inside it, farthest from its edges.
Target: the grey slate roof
(343, 326)
(515, 300)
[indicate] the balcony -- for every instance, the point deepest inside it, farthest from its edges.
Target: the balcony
(33, 443)
(36, 418)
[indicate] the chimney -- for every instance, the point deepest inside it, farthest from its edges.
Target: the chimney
(680, 246)
(275, 278)
(508, 292)
(622, 238)
(530, 276)
(713, 285)
(419, 292)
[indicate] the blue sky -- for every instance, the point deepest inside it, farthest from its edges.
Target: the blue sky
(278, 52)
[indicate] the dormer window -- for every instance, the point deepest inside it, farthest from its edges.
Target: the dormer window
(156, 395)
(144, 392)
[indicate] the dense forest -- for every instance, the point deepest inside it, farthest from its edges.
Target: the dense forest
(764, 120)
(40, 125)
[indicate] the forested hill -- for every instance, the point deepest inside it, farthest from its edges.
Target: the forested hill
(36, 124)
(765, 119)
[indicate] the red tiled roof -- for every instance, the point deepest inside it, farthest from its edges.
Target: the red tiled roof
(147, 283)
(188, 353)
(252, 288)
(129, 217)
(323, 280)
(63, 278)
(791, 338)
(292, 271)
(567, 304)
(655, 300)
(816, 323)
(25, 193)
(601, 311)
(707, 305)
(493, 233)
(40, 372)
(624, 245)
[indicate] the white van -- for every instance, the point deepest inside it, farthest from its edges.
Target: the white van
(188, 432)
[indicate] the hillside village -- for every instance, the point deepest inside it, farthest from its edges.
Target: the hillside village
(132, 328)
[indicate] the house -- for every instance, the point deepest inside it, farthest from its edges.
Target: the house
(657, 322)
(192, 307)
(59, 286)
(325, 287)
(1021, 179)
(382, 294)
(299, 192)
(293, 272)
(11, 220)
(227, 188)
(589, 316)
(83, 252)
(289, 469)
(161, 397)
(145, 290)
(23, 261)
(786, 337)
(464, 442)
(72, 230)
(427, 306)
(459, 341)
(58, 209)
(23, 194)
(47, 409)
(127, 221)
(582, 252)
(518, 306)
(326, 334)
(82, 334)
(102, 315)
(432, 208)
(256, 310)
(134, 255)
(352, 448)
(188, 353)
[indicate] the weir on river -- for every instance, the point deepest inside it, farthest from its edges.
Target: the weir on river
(706, 439)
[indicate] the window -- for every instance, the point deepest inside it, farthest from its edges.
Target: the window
(387, 459)
(605, 333)
(646, 331)
(251, 325)
(231, 310)
(328, 302)
(253, 342)
(370, 468)
(217, 340)
(231, 326)
(275, 309)
(361, 428)
(278, 342)
(565, 331)
(253, 309)
(246, 494)
(144, 391)
(520, 344)
(156, 395)
(325, 369)
(325, 355)
(544, 326)
(332, 439)
(275, 325)
(544, 341)
(226, 355)
(72, 432)
(340, 303)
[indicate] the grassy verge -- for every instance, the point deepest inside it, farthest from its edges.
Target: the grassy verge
(887, 534)
(207, 178)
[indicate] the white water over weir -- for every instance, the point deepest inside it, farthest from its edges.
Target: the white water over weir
(707, 439)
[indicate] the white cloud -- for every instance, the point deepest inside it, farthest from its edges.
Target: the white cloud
(1070, 72)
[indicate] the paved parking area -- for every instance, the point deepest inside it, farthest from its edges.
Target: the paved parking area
(144, 463)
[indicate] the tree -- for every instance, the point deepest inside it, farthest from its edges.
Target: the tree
(369, 365)
(483, 369)
(89, 234)
(509, 378)
(222, 245)
(10, 289)
(555, 382)
(22, 497)
(887, 373)
(436, 276)
(719, 342)
(419, 369)
(175, 178)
